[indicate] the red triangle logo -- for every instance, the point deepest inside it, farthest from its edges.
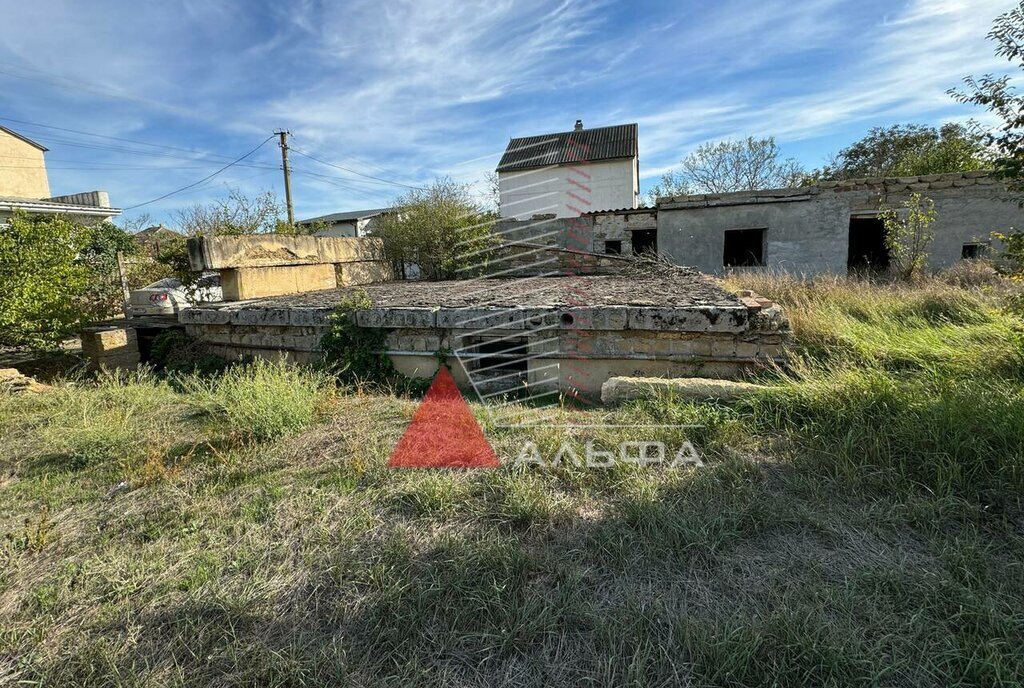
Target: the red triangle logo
(443, 432)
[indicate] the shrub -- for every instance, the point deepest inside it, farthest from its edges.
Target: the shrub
(440, 229)
(908, 236)
(56, 275)
(261, 400)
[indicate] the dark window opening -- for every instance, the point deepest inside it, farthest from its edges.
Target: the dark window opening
(972, 251)
(499, 356)
(613, 247)
(645, 241)
(743, 248)
(867, 249)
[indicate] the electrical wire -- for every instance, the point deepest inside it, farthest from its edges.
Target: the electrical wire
(368, 176)
(206, 178)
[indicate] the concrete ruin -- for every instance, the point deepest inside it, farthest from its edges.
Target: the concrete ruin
(562, 334)
(258, 265)
(548, 321)
(831, 227)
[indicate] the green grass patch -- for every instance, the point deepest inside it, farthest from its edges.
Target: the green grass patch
(261, 400)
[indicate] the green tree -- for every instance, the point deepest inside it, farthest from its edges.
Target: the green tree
(906, 150)
(908, 236)
(442, 229)
(103, 297)
(45, 275)
(999, 97)
(236, 213)
(723, 166)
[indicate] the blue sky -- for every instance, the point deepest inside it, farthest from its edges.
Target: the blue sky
(410, 90)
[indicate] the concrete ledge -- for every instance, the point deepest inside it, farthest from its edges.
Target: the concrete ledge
(619, 389)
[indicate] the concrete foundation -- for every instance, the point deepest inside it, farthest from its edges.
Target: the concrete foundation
(536, 336)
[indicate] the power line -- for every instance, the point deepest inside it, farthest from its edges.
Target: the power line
(104, 136)
(208, 177)
(368, 176)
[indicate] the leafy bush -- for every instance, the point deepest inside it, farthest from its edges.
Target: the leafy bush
(56, 275)
(261, 400)
(908, 235)
(353, 353)
(440, 229)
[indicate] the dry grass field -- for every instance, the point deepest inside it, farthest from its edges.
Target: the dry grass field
(859, 523)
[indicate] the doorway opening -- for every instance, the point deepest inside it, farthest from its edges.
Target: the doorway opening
(867, 249)
(645, 241)
(743, 248)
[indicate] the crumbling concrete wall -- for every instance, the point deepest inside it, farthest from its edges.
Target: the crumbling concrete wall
(807, 228)
(619, 226)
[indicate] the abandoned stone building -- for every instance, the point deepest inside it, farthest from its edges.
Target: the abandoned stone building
(830, 227)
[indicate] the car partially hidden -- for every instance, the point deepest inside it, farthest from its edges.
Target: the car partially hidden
(169, 296)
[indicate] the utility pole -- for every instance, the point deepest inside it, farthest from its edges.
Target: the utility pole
(287, 175)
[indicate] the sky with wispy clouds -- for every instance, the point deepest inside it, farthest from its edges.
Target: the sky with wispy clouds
(408, 90)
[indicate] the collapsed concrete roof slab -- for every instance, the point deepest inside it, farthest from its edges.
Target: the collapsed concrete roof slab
(272, 250)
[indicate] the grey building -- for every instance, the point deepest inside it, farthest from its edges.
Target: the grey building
(354, 223)
(833, 226)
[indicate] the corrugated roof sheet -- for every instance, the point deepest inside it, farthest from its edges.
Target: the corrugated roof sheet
(584, 145)
(348, 215)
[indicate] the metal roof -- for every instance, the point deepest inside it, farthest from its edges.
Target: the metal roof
(30, 205)
(23, 138)
(344, 217)
(580, 145)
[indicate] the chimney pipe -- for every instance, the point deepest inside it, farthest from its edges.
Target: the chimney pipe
(579, 125)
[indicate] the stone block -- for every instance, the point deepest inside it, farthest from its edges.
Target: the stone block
(363, 272)
(309, 317)
(747, 349)
(271, 250)
(723, 348)
(709, 319)
(205, 316)
(603, 318)
(396, 317)
(489, 318)
(240, 284)
(110, 347)
(259, 316)
(620, 389)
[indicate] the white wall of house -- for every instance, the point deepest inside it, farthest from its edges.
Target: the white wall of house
(350, 228)
(568, 190)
